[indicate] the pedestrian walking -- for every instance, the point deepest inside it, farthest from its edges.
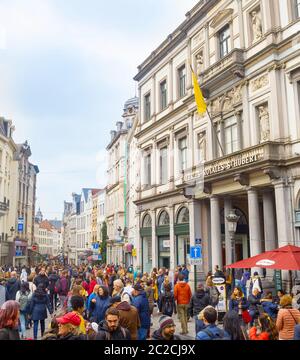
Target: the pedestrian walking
(211, 330)
(42, 278)
(23, 297)
(256, 284)
(168, 306)
(129, 316)
(13, 285)
(265, 329)
(62, 287)
(166, 331)
(39, 304)
(53, 278)
(110, 328)
(141, 303)
(232, 326)
(9, 319)
(198, 302)
(287, 318)
(23, 276)
(77, 303)
(99, 305)
(182, 294)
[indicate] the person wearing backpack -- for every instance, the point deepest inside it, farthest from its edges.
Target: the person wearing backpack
(168, 306)
(211, 330)
(256, 284)
(198, 302)
(62, 287)
(110, 329)
(23, 297)
(53, 278)
(213, 295)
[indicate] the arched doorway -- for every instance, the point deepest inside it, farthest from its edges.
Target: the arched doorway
(182, 233)
(242, 243)
(146, 235)
(163, 238)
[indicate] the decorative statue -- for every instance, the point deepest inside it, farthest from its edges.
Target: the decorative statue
(199, 60)
(202, 146)
(256, 25)
(264, 123)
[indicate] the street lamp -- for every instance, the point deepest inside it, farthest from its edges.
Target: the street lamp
(232, 221)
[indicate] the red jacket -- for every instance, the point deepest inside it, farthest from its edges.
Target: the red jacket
(182, 293)
(91, 286)
(261, 336)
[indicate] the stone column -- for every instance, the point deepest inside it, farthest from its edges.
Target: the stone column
(170, 90)
(188, 68)
(269, 220)
(153, 167)
(195, 233)
(154, 241)
(216, 244)
(207, 57)
(239, 129)
(228, 252)
(283, 212)
(138, 240)
(154, 100)
(254, 225)
(172, 238)
(241, 24)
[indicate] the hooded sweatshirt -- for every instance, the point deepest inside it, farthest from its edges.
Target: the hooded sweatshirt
(182, 293)
(12, 287)
(129, 318)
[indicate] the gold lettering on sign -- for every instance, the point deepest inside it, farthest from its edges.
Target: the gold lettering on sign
(234, 162)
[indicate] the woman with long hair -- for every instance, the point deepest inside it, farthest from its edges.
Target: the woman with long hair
(232, 326)
(9, 320)
(100, 304)
(23, 298)
(266, 329)
(39, 304)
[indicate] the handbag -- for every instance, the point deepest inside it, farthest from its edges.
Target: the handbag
(246, 316)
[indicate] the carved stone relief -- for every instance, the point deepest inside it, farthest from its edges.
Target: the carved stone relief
(259, 83)
(226, 102)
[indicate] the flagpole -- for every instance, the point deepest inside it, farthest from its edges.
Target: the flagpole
(215, 131)
(212, 124)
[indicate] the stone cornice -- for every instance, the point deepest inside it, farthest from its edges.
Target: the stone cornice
(174, 39)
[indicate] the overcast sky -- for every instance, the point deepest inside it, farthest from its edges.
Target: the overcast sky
(66, 70)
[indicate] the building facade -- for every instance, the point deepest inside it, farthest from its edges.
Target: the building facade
(8, 179)
(116, 189)
(246, 56)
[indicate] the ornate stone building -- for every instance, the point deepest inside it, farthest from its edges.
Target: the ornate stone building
(246, 55)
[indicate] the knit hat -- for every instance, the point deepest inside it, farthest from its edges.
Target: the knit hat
(165, 321)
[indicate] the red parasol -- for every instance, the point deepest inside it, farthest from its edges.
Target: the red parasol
(284, 258)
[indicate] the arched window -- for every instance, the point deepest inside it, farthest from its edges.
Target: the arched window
(164, 219)
(147, 222)
(183, 216)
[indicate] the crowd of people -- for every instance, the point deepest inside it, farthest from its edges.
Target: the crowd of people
(111, 302)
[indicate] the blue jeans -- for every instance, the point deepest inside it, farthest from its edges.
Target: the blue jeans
(36, 327)
(142, 333)
(23, 323)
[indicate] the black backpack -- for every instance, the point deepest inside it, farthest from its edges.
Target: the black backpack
(168, 306)
(218, 336)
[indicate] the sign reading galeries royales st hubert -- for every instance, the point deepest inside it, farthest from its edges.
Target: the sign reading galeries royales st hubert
(225, 164)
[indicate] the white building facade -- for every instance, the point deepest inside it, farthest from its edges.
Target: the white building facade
(246, 55)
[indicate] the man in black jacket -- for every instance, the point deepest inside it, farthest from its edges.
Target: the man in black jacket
(53, 277)
(198, 302)
(42, 278)
(110, 329)
(13, 285)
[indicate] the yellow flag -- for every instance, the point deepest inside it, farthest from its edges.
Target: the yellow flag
(201, 104)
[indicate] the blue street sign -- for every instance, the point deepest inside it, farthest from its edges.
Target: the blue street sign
(196, 252)
(20, 224)
(96, 246)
